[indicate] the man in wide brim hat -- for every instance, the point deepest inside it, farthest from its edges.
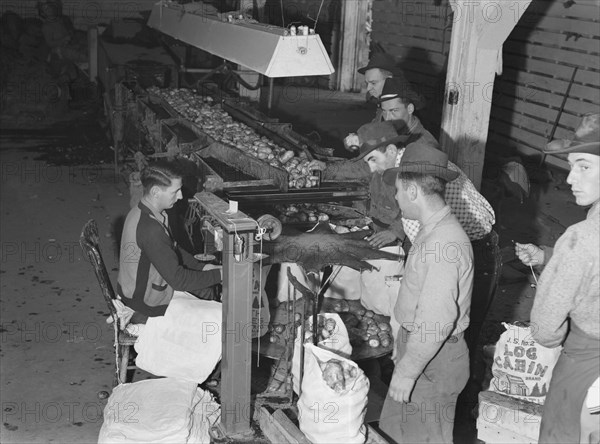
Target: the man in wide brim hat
(585, 139)
(377, 135)
(422, 159)
(381, 60)
(565, 308)
(435, 291)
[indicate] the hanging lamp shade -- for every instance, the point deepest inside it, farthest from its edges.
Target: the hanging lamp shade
(257, 46)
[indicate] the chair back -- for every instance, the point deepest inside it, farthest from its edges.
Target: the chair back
(89, 241)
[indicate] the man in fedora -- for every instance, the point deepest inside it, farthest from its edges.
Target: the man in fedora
(432, 309)
(567, 300)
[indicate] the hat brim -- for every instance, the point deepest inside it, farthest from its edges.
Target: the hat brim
(392, 141)
(390, 68)
(390, 175)
(589, 148)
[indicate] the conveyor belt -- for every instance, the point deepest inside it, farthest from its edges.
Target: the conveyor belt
(326, 193)
(226, 172)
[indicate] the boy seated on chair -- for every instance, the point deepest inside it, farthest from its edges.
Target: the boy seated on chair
(152, 265)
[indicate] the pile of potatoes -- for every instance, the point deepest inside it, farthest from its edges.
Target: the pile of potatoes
(219, 125)
(300, 213)
(362, 324)
(338, 374)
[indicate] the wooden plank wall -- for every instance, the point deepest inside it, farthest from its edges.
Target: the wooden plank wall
(539, 57)
(417, 33)
(84, 13)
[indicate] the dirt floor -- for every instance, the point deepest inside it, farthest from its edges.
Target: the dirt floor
(56, 349)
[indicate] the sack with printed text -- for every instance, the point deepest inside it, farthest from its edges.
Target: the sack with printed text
(522, 368)
(333, 403)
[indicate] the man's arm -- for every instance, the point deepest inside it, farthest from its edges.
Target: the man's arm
(156, 244)
(189, 261)
(436, 316)
(558, 287)
(347, 169)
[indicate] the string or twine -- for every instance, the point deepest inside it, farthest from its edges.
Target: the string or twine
(259, 237)
(318, 14)
(282, 18)
(533, 273)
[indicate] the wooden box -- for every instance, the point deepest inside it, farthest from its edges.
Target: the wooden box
(180, 136)
(503, 419)
(152, 110)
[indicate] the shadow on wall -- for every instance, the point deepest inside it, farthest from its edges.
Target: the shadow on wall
(506, 91)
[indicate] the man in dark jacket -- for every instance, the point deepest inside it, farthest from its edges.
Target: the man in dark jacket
(152, 265)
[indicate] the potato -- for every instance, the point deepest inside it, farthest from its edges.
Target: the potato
(333, 374)
(384, 326)
(374, 342)
(330, 324)
(369, 313)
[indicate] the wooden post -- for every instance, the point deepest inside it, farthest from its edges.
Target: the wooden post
(479, 31)
(354, 44)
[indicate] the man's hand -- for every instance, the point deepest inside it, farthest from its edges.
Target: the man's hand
(382, 238)
(530, 254)
(401, 387)
(352, 142)
(317, 165)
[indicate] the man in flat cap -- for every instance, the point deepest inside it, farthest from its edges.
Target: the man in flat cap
(431, 355)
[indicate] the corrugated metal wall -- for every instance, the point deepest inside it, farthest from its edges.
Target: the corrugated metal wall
(552, 39)
(84, 13)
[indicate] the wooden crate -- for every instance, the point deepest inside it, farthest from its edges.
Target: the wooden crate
(248, 165)
(152, 110)
(180, 136)
(503, 419)
(279, 428)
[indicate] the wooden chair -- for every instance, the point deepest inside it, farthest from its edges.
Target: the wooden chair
(123, 341)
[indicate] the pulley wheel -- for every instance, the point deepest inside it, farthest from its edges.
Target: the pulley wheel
(271, 224)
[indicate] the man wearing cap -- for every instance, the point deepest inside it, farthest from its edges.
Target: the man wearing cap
(432, 358)
(567, 300)
(381, 67)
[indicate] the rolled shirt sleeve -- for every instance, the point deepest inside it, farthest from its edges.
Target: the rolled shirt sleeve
(558, 288)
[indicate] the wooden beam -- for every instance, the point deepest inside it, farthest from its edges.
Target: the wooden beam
(354, 45)
(478, 33)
